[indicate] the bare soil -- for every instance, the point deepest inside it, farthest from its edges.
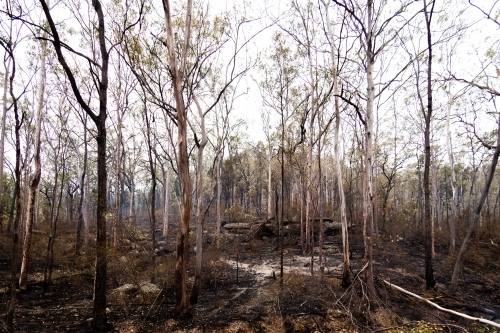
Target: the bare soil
(241, 287)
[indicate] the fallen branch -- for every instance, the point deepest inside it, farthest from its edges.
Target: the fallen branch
(485, 321)
(352, 284)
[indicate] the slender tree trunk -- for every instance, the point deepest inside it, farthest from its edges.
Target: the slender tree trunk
(302, 212)
(54, 216)
(86, 216)
(434, 202)
(453, 179)
(118, 200)
(269, 186)
(182, 302)
(31, 209)
(2, 135)
(219, 192)
(346, 277)
(346, 269)
(474, 222)
(320, 207)
(307, 246)
(282, 206)
(132, 199)
(199, 212)
(166, 199)
(81, 208)
(100, 320)
(17, 200)
(314, 111)
(25, 185)
(152, 170)
(429, 273)
(368, 196)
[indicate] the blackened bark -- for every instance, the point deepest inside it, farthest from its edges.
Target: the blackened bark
(2, 134)
(153, 183)
(429, 273)
(17, 199)
(99, 309)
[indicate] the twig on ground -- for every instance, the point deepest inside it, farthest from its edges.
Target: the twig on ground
(484, 321)
(355, 278)
(151, 308)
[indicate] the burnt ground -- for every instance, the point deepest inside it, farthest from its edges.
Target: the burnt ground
(241, 290)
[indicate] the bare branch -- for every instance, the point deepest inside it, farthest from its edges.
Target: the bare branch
(488, 16)
(58, 48)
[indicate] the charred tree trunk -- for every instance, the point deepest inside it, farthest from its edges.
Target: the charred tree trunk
(429, 273)
(99, 309)
(152, 171)
(2, 134)
(17, 199)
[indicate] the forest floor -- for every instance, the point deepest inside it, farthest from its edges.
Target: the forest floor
(241, 287)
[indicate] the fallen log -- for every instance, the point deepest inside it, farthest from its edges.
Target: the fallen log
(482, 320)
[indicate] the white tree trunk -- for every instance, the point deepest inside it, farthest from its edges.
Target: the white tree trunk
(310, 240)
(269, 184)
(177, 73)
(368, 196)
(199, 212)
(167, 174)
(86, 214)
(346, 280)
(118, 157)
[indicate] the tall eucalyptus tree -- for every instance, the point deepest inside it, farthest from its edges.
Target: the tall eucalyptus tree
(346, 279)
(178, 74)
